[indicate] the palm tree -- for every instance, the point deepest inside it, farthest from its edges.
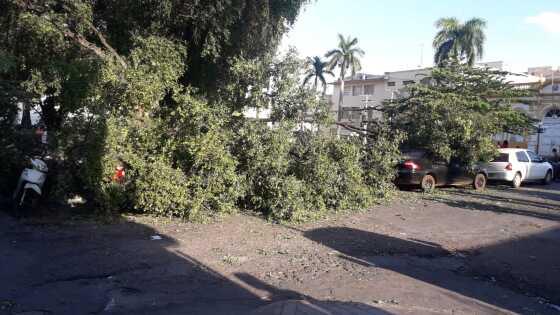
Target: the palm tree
(316, 70)
(347, 57)
(459, 41)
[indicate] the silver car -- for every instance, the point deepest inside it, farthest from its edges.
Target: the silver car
(517, 166)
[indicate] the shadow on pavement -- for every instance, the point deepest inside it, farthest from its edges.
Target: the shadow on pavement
(527, 265)
(120, 269)
(516, 200)
(550, 192)
(499, 204)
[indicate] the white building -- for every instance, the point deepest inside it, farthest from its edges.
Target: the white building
(366, 91)
(545, 109)
(363, 92)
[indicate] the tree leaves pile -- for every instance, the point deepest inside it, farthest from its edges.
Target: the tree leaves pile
(160, 87)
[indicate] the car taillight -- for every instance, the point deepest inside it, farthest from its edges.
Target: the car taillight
(411, 165)
(509, 167)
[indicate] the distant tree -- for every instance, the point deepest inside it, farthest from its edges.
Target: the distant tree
(457, 112)
(347, 57)
(461, 42)
(316, 70)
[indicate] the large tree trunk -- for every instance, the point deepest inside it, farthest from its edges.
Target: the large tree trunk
(50, 116)
(26, 116)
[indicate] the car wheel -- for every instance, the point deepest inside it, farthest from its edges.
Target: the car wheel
(479, 182)
(547, 178)
(516, 182)
(428, 183)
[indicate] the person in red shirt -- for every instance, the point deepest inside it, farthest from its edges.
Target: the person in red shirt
(119, 172)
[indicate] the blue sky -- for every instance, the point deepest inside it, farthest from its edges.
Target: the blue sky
(392, 32)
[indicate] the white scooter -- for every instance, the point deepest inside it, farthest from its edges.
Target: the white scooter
(30, 185)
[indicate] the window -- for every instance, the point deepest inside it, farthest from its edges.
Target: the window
(351, 113)
(534, 157)
(503, 157)
(555, 87)
(408, 82)
(521, 156)
(356, 90)
(347, 90)
(369, 89)
(390, 83)
(344, 114)
(356, 115)
(426, 81)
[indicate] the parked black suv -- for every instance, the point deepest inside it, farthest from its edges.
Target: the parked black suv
(417, 168)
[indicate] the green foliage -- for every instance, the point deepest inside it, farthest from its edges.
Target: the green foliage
(215, 31)
(155, 66)
(162, 190)
(458, 112)
(159, 87)
(380, 155)
(264, 161)
(279, 77)
(332, 168)
(304, 175)
(177, 162)
(12, 157)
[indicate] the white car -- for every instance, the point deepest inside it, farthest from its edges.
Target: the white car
(517, 166)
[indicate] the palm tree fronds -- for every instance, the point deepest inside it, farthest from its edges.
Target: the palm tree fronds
(447, 23)
(459, 41)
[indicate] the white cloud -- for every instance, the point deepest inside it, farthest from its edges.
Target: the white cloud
(548, 20)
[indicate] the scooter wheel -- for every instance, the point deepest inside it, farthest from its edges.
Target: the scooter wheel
(17, 207)
(26, 201)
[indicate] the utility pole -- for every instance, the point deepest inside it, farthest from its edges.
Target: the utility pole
(540, 129)
(364, 116)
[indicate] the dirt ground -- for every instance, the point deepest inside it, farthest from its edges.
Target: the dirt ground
(453, 252)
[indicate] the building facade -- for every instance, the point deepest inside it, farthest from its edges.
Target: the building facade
(363, 92)
(545, 109)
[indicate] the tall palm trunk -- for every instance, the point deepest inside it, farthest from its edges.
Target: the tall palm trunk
(315, 84)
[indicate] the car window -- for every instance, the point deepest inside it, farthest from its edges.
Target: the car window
(533, 156)
(503, 157)
(521, 156)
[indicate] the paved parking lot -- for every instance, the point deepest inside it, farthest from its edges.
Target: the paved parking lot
(454, 252)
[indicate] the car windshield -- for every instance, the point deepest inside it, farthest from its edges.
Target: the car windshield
(503, 157)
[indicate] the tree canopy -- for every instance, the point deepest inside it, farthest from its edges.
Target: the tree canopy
(316, 70)
(57, 45)
(346, 56)
(458, 111)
